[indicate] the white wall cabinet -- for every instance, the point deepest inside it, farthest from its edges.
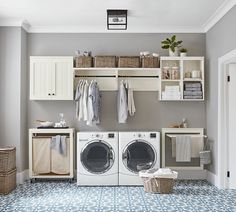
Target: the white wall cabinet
(51, 78)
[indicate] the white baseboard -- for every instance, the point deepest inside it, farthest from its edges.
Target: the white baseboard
(211, 178)
(21, 177)
(192, 174)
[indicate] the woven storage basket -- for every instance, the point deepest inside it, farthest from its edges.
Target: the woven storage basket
(7, 182)
(158, 185)
(83, 62)
(129, 62)
(105, 61)
(7, 159)
(150, 62)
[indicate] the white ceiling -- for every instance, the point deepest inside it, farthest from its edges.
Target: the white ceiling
(90, 15)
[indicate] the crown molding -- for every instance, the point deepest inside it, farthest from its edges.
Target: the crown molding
(218, 14)
(76, 29)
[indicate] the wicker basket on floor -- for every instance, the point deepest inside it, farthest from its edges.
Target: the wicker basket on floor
(158, 185)
(150, 62)
(7, 159)
(129, 62)
(7, 182)
(83, 62)
(105, 61)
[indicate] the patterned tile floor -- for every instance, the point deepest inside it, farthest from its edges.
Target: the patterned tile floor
(63, 196)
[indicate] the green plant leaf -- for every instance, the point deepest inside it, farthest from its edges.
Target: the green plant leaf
(173, 38)
(166, 46)
(165, 42)
(179, 42)
(172, 48)
(168, 40)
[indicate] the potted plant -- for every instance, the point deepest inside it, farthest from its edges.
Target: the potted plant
(172, 45)
(183, 52)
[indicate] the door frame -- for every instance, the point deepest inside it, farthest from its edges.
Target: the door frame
(222, 143)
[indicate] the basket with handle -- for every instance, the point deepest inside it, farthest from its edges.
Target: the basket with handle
(7, 159)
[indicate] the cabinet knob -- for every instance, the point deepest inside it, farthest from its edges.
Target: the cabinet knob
(53, 94)
(49, 94)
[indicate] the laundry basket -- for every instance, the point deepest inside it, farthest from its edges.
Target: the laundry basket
(7, 159)
(158, 181)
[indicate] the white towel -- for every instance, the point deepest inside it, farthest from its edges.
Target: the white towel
(183, 148)
(197, 144)
(131, 106)
(59, 144)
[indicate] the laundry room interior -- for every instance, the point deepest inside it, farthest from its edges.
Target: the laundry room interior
(114, 108)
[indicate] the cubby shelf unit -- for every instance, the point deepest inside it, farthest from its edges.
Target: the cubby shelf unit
(186, 65)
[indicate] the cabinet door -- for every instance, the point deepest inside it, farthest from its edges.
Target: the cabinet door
(62, 80)
(40, 78)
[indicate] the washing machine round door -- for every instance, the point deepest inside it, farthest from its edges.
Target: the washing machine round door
(97, 157)
(139, 155)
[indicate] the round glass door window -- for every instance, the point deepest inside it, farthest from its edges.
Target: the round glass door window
(139, 155)
(97, 157)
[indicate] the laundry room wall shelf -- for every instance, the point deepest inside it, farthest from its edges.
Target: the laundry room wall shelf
(45, 162)
(140, 79)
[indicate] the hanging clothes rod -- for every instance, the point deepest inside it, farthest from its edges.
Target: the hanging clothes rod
(104, 76)
(186, 134)
(46, 136)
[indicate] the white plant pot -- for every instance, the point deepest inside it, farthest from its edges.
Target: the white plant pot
(173, 54)
(183, 54)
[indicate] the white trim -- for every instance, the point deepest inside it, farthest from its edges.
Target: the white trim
(222, 123)
(21, 177)
(218, 14)
(81, 29)
(211, 178)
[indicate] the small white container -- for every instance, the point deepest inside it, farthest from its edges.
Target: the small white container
(196, 74)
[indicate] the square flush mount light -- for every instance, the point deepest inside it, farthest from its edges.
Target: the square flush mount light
(117, 19)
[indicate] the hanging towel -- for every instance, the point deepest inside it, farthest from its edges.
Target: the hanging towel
(59, 144)
(183, 148)
(197, 144)
(131, 106)
(122, 107)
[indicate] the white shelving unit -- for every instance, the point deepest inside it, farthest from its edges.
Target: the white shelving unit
(140, 79)
(186, 66)
(167, 160)
(48, 133)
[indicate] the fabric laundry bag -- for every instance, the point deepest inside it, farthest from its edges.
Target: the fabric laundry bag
(158, 180)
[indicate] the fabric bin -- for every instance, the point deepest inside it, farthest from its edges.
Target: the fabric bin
(7, 159)
(60, 164)
(105, 61)
(83, 62)
(129, 62)
(41, 155)
(150, 62)
(7, 182)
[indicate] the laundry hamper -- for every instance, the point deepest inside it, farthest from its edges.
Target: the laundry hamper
(7, 182)
(158, 181)
(7, 159)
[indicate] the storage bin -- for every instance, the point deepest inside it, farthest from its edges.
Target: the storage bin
(7, 159)
(83, 62)
(150, 62)
(129, 62)
(158, 185)
(105, 61)
(7, 182)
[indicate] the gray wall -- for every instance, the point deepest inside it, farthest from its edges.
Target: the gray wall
(10, 75)
(219, 40)
(151, 113)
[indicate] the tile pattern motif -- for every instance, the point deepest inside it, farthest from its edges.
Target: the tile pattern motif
(64, 196)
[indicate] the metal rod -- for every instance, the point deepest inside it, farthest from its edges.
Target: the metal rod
(105, 76)
(95, 76)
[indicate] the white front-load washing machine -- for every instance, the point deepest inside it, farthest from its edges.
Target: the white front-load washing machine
(97, 158)
(137, 151)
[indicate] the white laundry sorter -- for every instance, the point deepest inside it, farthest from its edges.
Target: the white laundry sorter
(137, 150)
(97, 158)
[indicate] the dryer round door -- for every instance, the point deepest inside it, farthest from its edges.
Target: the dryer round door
(97, 157)
(139, 155)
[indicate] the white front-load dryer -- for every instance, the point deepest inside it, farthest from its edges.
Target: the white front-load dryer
(97, 158)
(137, 151)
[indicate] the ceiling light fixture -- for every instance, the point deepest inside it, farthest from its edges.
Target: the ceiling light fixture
(117, 19)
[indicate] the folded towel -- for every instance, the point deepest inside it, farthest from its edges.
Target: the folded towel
(192, 89)
(183, 148)
(59, 144)
(192, 85)
(193, 93)
(192, 97)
